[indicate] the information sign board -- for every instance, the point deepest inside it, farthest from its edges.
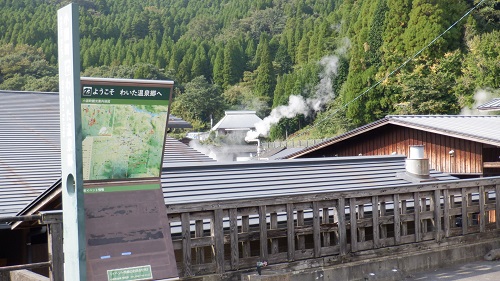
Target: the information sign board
(124, 124)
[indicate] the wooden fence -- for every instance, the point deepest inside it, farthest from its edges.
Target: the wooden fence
(226, 236)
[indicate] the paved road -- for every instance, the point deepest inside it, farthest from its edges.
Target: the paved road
(474, 271)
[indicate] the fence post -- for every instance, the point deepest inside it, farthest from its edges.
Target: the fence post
(53, 220)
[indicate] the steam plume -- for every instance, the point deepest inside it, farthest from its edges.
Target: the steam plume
(297, 104)
(481, 96)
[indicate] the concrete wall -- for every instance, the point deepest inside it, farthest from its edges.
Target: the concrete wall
(385, 268)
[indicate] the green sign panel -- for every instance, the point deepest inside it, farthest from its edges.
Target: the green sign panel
(127, 232)
(131, 273)
(123, 130)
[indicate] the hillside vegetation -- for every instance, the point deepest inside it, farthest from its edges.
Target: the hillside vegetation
(317, 63)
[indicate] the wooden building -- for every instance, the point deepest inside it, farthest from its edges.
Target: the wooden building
(464, 146)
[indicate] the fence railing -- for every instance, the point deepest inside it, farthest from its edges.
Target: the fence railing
(53, 221)
(291, 143)
(223, 236)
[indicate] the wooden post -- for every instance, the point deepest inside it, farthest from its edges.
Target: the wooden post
(342, 227)
(482, 211)
(274, 225)
(263, 233)
(326, 220)
(300, 222)
(446, 212)
(218, 234)
(465, 218)
(354, 227)
(437, 214)
(397, 220)
(361, 215)
(233, 228)
(316, 230)
(245, 228)
(198, 232)
(404, 211)
(186, 244)
(290, 232)
(416, 210)
(55, 243)
(375, 222)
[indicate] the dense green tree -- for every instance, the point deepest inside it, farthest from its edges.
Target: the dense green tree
(200, 101)
(265, 81)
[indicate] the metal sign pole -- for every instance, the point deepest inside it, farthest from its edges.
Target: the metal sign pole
(71, 143)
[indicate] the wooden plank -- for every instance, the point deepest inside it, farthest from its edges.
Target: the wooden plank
(55, 247)
(300, 222)
(437, 215)
(326, 220)
(218, 234)
(375, 217)
(274, 225)
(397, 220)
(354, 227)
(404, 224)
(465, 219)
(361, 215)
(416, 213)
(198, 233)
(446, 212)
(316, 230)
(482, 212)
(263, 233)
(245, 228)
(383, 227)
(342, 226)
(186, 244)
(233, 230)
(290, 232)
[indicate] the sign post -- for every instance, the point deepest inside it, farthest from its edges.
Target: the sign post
(71, 143)
(124, 123)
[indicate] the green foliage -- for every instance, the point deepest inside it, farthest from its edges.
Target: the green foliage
(199, 102)
(261, 52)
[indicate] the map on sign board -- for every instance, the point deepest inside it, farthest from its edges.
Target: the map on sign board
(123, 129)
(122, 141)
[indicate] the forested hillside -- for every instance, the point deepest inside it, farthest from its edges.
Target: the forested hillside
(316, 62)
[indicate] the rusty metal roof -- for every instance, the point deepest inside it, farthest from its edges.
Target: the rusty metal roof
(30, 150)
(478, 128)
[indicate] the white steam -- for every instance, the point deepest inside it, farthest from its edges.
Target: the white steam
(297, 104)
(481, 96)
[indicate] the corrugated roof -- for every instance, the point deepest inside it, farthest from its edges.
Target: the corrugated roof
(493, 104)
(30, 150)
(478, 128)
(238, 120)
(228, 181)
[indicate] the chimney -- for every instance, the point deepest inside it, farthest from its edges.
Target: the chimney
(416, 164)
(417, 167)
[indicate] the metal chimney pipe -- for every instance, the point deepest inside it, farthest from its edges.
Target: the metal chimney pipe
(416, 164)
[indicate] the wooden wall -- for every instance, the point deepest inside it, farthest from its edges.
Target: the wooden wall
(391, 139)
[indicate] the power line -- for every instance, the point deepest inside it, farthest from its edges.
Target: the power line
(392, 72)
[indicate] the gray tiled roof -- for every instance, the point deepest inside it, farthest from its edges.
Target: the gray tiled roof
(237, 120)
(493, 104)
(188, 183)
(478, 128)
(30, 150)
